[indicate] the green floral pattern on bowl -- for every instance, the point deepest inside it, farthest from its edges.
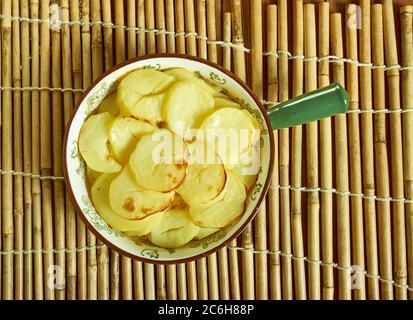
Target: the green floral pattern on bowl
(76, 168)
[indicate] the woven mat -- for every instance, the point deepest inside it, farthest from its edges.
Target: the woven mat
(338, 221)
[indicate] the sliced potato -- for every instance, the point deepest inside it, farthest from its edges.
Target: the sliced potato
(93, 143)
(148, 108)
(140, 83)
(233, 131)
(224, 102)
(203, 182)
(175, 229)
(205, 232)
(100, 198)
(160, 161)
(124, 134)
(130, 201)
(186, 104)
(248, 167)
(110, 104)
(223, 210)
(182, 74)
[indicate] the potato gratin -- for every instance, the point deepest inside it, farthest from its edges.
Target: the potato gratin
(169, 157)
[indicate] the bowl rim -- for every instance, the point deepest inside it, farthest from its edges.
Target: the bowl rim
(253, 212)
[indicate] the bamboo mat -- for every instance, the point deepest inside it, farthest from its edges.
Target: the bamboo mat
(338, 220)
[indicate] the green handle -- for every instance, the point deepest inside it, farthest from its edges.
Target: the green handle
(312, 106)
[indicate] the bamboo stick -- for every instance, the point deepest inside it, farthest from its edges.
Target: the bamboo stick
(171, 277)
(160, 283)
(171, 288)
(78, 38)
(141, 24)
(7, 155)
(211, 274)
(126, 263)
(181, 275)
(406, 17)
(247, 258)
(343, 210)
(273, 195)
(131, 23)
(357, 234)
(150, 25)
(57, 145)
(233, 276)
(17, 157)
(150, 47)
(286, 267)
(313, 201)
(180, 26)
(160, 25)
(211, 29)
(191, 267)
(326, 158)
(139, 292)
(97, 69)
(222, 273)
(87, 80)
(170, 25)
(296, 156)
(190, 27)
(396, 147)
(161, 47)
(238, 39)
(45, 149)
(107, 34)
(36, 190)
(70, 222)
(109, 61)
(368, 152)
(202, 28)
(27, 152)
(261, 276)
(380, 151)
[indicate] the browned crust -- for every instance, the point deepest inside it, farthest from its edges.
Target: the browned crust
(253, 212)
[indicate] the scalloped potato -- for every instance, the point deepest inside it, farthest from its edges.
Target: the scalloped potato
(100, 197)
(93, 143)
(175, 229)
(154, 167)
(223, 210)
(161, 162)
(130, 201)
(124, 134)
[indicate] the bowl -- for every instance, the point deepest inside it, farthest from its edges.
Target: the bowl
(74, 166)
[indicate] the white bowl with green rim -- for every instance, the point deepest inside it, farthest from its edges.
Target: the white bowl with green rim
(307, 108)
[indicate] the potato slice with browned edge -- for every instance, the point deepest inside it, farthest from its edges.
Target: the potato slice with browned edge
(140, 83)
(185, 105)
(232, 131)
(205, 232)
(93, 143)
(204, 181)
(124, 134)
(175, 229)
(223, 210)
(160, 161)
(110, 104)
(149, 108)
(100, 198)
(181, 74)
(130, 201)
